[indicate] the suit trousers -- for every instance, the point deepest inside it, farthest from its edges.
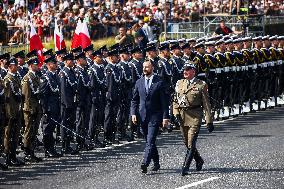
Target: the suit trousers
(150, 131)
(68, 120)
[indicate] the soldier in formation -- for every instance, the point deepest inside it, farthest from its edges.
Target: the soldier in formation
(83, 94)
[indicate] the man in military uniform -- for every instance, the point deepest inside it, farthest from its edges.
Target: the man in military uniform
(187, 52)
(46, 54)
(177, 62)
(89, 55)
(50, 101)
(200, 62)
(13, 99)
(98, 94)
(83, 99)
(152, 55)
(31, 109)
(136, 65)
(123, 118)
(191, 96)
(113, 95)
(68, 86)
(22, 70)
(4, 58)
(59, 58)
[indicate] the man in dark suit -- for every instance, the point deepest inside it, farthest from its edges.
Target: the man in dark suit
(149, 95)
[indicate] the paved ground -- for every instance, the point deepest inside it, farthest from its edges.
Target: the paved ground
(246, 152)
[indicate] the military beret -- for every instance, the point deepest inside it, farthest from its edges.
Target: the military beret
(137, 49)
(61, 51)
(50, 59)
(68, 56)
(20, 54)
(48, 52)
(164, 46)
(5, 56)
(174, 46)
(77, 50)
(189, 65)
(34, 61)
(31, 54)
(199, 45)
(79, 55)
(89, 48)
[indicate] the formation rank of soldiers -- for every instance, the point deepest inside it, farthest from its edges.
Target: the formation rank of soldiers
(80, 93)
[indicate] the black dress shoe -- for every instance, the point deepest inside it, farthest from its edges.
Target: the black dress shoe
(144, 168)
(199, 165)
(16, 162)
(51, 154)
(156, 167)
(107, 142)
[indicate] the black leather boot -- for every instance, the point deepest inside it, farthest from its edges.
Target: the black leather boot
(187, 162)
(199, 161)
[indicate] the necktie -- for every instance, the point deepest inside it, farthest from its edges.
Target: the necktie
(147, 85)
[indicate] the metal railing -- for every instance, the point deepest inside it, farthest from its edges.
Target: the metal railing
(14, 48)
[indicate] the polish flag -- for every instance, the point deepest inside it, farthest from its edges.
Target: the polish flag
(35, 43)
(85, 36)
(76, 42)
(58, 38)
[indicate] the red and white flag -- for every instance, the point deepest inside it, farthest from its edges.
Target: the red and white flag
(76, 42)
(85, 36)
(36, 44)
(58, 38)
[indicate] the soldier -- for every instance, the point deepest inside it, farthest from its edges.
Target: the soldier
(191, 100)
(31, 109)
(83, 99)
(136, 65)
(252, 74)
(113, 95)
(89, 55)
(187, 52)
(59, 58)
(98, 93)
(104, 51)
(177, 62)
(22, 70)
(50, 102)
(200, 62)
(152, 55)
(13, 100)
(68, 86)
(2, 121)
(123, 119)
(4, 58)
(47, 54)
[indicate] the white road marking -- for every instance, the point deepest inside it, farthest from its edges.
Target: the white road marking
(198, 183)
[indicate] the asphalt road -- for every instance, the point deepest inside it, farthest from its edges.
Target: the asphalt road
(245, 152)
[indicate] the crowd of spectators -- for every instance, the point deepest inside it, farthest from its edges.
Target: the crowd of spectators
(104, 18)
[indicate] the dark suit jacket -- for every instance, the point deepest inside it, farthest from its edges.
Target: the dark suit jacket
(153, 106)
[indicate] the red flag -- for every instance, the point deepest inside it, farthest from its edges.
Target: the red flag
(85, 36)
(58, 38)
(76, 42)
(35, 43)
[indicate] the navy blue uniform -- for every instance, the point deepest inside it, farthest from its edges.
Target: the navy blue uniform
(68, 85)
(50, 100)
(83, 104)
(98, 91)
(113, 97)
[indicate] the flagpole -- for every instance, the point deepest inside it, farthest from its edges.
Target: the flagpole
(27, 28)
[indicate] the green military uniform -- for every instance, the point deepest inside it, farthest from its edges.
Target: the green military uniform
(32, 111)
(192, 99)
(13, 95)
(2, 114)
